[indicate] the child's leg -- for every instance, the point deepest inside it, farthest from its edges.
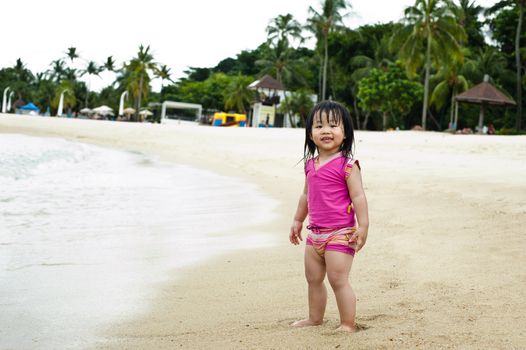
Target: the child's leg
(338, 268)
(315, 274)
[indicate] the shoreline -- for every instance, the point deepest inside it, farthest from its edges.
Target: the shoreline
(111, 262)
(428, 276)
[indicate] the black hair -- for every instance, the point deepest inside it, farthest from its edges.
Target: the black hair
(329, 109)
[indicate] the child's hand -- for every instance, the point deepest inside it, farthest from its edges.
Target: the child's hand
(359, 238)
(295, 232)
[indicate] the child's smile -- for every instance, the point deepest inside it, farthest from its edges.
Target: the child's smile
(327, 135)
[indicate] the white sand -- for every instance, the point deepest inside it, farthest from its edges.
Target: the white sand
(443, 266)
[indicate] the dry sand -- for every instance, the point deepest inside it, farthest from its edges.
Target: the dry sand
(444, 266)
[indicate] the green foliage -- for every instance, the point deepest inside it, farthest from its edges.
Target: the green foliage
(503, 28)
(282, 29)
(197, 74)
(109, 65)
(68, 87)
(428, 21)
(244, 63)
(19, 79)
(43, 91)
(431, 35)
(92, 69)
(388, 91)
(163, 72)
(448, 83)
(108, 96)
(352, 66)
(226, 65)
(297, 103)
(208, 93)
(490, 61)
(281, 63)
(139, 72)
(72, 53)
(321, 24)
(237, 95)
(277, 55)
(369, 46)
(509, 131)
(468, 13)
(58, 70)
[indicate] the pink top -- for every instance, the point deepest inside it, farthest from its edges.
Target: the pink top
(329, 202)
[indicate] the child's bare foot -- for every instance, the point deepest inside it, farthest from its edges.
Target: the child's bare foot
(346, 328)
(305, 323)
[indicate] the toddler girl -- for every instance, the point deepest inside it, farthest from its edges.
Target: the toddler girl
(334, 199)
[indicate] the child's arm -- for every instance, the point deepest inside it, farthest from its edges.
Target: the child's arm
(299, 217)
(354, 184)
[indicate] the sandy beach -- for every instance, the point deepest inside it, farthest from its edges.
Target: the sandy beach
(443, 266)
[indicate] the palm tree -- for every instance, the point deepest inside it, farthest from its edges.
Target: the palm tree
(22, 79)
(282, 29)
(361, 67)
(429, 22)
(72, 53)
(468, 13)
(40, 77)
(58, 70)
(163, 72)
(43, 89)
(278, 61)
(22, 73)
(109, 65)
(70, 74)
(519, 5)
(450, 83)
(297, 103)
(321, 24)
(276, 56)
(140, 68)
(237, 95)
(488, 61)
(91, 69)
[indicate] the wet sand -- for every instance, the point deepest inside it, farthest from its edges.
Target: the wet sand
(443, 265)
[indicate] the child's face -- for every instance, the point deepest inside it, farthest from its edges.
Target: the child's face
(327, 135)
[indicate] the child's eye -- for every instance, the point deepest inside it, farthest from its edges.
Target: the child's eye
(334, 125)
(317, 126)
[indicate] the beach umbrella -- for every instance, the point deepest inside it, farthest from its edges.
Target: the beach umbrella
(483, 94)
(145, 112)
(29, 107)
(85, 111)
(103, 110)
(129, 110)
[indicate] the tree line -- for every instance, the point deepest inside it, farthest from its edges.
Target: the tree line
(389, 74)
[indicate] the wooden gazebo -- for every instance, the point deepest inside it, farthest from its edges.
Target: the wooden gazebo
(267, 82)
(483, 94)
(264, 107)
(269, 86)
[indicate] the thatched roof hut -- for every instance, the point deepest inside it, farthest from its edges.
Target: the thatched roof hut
(266, 82)
(484, 94)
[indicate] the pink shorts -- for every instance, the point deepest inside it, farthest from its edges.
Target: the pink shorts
(334, 239)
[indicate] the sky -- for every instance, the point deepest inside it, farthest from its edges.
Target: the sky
(180, 33)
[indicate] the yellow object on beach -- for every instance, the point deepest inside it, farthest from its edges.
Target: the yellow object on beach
(229, 119)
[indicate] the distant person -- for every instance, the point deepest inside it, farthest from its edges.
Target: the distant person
(335, 201)
(267, 121)
(491, 129)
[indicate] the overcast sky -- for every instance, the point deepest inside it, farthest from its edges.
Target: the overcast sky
(181, 33)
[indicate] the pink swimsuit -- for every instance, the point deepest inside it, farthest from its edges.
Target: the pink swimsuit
(331, 214)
